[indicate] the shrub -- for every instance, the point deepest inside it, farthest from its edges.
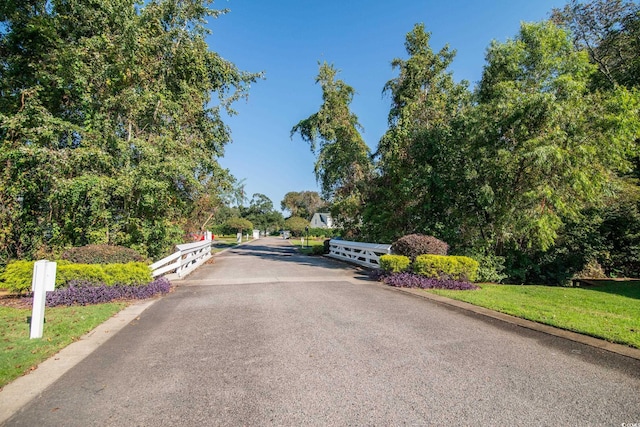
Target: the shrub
(326, 246)
(101, 254)
(82, 292)
(414, 245)
(394, 263)
(440, 267)
(317, 250)
(132, 273)
(490, 268)
(410, 280)
(18, 274)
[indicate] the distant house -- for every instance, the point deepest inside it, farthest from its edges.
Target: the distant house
(322, 220)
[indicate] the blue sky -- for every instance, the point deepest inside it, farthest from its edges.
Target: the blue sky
(287, 38)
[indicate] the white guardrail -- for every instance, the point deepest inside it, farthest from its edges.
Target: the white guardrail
(187, 258)
(365, 254)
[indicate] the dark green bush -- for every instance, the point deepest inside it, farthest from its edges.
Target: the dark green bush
(317, 250)
(490, 268)
(326, 246)
(101, 254)
(446, 267)
(394, 263)
(414, 245)
(18, 274)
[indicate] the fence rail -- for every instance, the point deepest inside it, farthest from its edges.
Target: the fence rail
(187, 258)
(365, 254)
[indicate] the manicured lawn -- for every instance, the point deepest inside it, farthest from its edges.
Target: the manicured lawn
(19, 354)
(306, 248)
(610, 312)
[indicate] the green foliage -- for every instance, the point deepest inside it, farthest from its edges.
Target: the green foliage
(303, 204)
(296, 226)
(317, 250)
(101, 254)
(262, 215)
(238, 224)
(320, 232)
(491, 268)
(394, 263)
(18, 274)
(343, 163)
(418, 244)
(442, 266)
(111, 123)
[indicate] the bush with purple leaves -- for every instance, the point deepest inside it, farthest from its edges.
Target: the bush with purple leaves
(410, 280)
(82, 292)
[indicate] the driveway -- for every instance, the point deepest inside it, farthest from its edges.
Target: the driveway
(264, 336)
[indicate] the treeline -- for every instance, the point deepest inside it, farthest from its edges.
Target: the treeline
(110, 125)
(534, 171)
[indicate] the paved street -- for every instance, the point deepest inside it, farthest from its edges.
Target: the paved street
(264, 336)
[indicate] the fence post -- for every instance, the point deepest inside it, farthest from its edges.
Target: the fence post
(44, 279)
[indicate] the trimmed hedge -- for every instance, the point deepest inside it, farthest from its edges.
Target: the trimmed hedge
(394, 263)
(414, 245)
(18, 274)
(101, 254)
(441, 267)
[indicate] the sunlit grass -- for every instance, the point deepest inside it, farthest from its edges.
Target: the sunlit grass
(64, 325)
(610, 312)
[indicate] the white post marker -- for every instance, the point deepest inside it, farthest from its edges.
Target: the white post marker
(44, 279)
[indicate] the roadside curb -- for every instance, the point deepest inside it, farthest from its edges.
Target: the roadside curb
(19, 392)
(539, 327)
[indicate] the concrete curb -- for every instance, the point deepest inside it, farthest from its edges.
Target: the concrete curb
(550, 330)
(18, 393)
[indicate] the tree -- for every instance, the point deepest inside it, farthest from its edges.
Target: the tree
(261, 213)
(303, 204)
(609, 30)
(296, 225)
(238, 224)
(545, 146)
(343, 159)
(415, 155)
(109, 130)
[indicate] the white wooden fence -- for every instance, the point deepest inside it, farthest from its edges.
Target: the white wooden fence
(365, 254)
(187, 258)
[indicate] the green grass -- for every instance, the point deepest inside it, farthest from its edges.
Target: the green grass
(308, 245)
(610, 312)
(19, 354)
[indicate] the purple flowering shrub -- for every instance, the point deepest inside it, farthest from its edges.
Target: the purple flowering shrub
(410, 280)
(83, 292)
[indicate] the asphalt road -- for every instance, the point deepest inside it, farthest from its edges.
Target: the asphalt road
(267, 337)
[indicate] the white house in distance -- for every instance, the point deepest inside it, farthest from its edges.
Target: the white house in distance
(321, 220)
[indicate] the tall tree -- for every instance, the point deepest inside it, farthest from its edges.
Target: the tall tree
(414, 153)
(302, 203)
(343, 159)
(545, 146)
(609, 30)
(109, 129)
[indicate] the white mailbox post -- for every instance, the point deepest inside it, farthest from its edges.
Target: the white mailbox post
(44, 279)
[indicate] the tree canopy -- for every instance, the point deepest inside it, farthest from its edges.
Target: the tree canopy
(110, 122)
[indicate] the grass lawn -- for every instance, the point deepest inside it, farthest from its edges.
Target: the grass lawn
(307, 247)
(610, 311)
(19, 354)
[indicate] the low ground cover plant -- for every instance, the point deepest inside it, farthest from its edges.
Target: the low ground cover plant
(412, 280)
(83, 292)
